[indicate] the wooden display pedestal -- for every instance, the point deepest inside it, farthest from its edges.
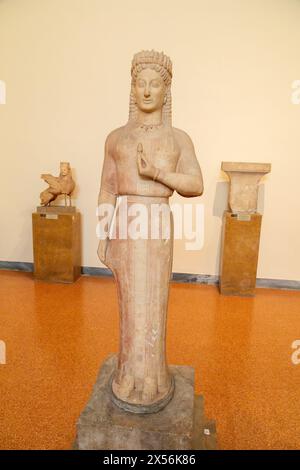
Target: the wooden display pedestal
(239, 253)
(56, 244)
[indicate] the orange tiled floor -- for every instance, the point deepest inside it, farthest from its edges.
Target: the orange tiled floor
(57, 336)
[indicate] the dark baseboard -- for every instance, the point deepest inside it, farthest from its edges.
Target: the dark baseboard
(89, 271)
(176, 277)
(16, 266)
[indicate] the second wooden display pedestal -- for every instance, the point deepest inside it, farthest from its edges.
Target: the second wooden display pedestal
(239, 255)
(56, 244)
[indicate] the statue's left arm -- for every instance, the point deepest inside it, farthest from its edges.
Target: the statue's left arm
(187, 180)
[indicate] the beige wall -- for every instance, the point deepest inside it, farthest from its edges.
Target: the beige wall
(66, 65)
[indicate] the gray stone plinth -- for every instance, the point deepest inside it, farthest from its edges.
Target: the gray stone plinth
(180, 425)
(56, 209)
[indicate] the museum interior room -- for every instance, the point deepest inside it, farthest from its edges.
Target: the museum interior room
(150, 225)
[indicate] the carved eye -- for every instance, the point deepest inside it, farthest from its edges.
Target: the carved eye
(140, 83)
(155, 83)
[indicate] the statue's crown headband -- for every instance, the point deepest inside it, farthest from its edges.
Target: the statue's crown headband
(151, 57)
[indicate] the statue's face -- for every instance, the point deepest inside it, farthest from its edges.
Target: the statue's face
(149, 90)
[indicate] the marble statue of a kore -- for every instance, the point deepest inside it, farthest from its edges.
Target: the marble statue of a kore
(145, 161)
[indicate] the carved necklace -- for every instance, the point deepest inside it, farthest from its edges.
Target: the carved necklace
(150, 127)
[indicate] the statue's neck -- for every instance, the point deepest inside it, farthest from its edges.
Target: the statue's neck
(150, 119)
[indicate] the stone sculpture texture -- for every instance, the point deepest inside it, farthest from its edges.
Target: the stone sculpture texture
(244, 180)
(145, 161)
(62, 184)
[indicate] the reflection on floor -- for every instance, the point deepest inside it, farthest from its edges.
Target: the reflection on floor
(58, 335)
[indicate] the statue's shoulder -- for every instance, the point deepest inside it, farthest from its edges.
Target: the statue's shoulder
(113, 136)
(182, 137)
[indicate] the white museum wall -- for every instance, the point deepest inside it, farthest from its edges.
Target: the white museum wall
(66, 66)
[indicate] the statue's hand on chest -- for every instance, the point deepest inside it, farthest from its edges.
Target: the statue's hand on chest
(145, 166)
(147, 157)
(163, 158)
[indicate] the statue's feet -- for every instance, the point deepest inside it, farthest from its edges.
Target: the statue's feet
(141, 395)
(125, 386)
(149, 391)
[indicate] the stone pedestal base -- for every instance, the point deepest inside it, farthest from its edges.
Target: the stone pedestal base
(56, 244)
(180, 425)
(239, 256)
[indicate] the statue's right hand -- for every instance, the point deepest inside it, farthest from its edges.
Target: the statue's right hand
(102, 250)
